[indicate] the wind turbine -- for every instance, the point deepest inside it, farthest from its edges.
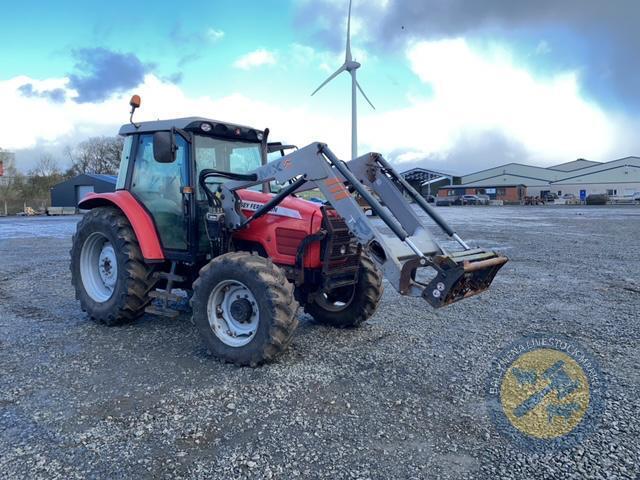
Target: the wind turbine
(350, 66)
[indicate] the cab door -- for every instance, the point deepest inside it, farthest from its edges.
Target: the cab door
(158, 186)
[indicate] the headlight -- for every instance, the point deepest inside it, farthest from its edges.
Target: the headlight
(206, 127)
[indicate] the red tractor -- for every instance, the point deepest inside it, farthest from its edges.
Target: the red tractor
(199, 208)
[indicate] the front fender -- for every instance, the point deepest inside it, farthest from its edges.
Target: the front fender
(140, 220)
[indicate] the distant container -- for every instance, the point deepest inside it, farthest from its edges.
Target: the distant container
(597, 199)
(70, 192)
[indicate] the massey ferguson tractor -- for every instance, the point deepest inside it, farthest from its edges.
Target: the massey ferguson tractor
(199, 208)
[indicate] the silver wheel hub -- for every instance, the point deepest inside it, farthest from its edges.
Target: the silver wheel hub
(98, 267)
(233, 313)
(107, 266)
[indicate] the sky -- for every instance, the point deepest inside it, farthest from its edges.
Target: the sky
(458, 86)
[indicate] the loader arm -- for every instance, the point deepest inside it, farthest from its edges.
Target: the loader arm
(399, 256)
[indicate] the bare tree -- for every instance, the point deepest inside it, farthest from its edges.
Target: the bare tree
(96, 155)
(47, 166)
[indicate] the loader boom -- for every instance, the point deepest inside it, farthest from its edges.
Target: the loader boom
(458, 275)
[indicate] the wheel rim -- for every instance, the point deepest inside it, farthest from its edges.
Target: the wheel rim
(233, 313)
(98, 267)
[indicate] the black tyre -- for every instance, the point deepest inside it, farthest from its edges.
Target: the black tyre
(108, 272)
(244, 309)
(349, 307)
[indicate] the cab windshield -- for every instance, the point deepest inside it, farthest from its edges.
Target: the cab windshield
(225, 155)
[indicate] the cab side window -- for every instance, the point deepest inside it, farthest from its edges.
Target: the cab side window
(158, 187)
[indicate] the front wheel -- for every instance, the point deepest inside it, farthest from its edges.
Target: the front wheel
(243, 308)
(349, 307)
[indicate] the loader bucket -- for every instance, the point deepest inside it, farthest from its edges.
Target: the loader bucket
(462, 275)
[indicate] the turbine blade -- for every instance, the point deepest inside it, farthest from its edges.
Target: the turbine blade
(348, 51)
(337, 72)
(364, 95)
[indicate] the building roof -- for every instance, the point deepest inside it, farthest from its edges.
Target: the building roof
(575, 171)
(424, 175)
(507, 179)
(574, 165)
(520, 169)
(627, 173)
(105, 178)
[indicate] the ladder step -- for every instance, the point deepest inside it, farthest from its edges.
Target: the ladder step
(162, 312)
(162, 295)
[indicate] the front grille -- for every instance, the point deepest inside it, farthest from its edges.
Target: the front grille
(339, 269)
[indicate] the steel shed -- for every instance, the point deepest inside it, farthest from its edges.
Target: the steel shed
(70, 192)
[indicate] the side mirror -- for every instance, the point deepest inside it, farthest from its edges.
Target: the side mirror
(164, 147)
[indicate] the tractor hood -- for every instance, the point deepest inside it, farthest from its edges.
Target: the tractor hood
(291, 207)
(281, 231)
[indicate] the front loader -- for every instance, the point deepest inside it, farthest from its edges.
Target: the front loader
(198, 208)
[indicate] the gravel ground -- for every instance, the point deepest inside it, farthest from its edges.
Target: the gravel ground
(401, 397)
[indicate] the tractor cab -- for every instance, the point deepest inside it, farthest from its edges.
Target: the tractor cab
(162, 162)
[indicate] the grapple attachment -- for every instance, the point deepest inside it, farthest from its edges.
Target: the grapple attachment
(461, 275)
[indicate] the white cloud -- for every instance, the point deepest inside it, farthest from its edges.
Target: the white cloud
(215, 35)
(474, 95)
(257, 58)
(36, 122)
(475, 92)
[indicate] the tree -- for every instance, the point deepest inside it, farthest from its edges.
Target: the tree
(41, 179)
(47, 166)
(96, 155)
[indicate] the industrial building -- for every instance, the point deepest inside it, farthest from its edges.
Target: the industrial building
(7, 161)
(514, 181)
(70, 192)
(427, 182)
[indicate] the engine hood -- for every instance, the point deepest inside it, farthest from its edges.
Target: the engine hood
(291, 207)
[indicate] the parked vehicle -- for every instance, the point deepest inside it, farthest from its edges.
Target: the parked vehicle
(485, 199)
(473, 200)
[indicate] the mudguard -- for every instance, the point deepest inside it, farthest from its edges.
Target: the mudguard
(141, 222)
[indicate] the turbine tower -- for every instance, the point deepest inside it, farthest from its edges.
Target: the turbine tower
(350, 66)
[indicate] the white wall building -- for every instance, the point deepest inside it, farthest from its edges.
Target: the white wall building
(618, 177)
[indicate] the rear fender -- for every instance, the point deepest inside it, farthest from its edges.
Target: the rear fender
(141, 222)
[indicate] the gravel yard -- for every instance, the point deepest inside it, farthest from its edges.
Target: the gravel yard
(401, 397)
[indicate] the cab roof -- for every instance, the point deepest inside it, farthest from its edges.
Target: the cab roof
(218, 128)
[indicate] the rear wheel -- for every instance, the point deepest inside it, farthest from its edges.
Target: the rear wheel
(244, 309)
(349, 307)
(108, 272)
